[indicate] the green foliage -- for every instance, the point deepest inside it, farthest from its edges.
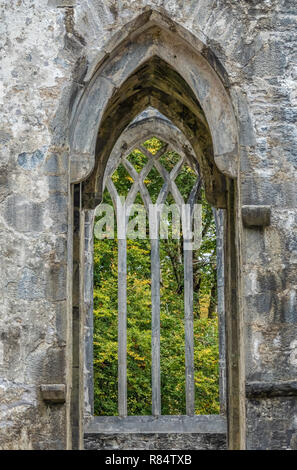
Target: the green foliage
(139, 314)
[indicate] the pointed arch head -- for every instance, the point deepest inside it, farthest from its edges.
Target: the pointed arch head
(148, 124)
(160, 64)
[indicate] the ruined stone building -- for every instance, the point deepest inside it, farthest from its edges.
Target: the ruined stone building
(79, 79)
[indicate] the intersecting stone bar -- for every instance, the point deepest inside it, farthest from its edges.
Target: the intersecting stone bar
(122, 327)
(154, 225)
(122, 299)
(155, 273)
(189, 330)
(155, 292)
(188, 297)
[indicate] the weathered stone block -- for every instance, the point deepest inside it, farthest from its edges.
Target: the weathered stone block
(272, 424)
(23, 215)
(150, 441)
(53, 393)
(56, 164)
(56, 282)
(30, 286)
(61, 3)
(54, 366)
(271, 389)
(256, 216)
(29, 161)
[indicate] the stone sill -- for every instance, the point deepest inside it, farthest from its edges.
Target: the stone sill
(199, 424)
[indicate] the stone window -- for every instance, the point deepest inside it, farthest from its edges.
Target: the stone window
(155, 177)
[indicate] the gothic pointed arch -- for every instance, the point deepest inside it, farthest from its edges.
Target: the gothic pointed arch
(150, 123)
(156, 64)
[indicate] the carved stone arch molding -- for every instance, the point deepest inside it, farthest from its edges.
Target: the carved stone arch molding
(155, 62)
(161, 64)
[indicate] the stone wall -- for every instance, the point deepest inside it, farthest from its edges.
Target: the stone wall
(51, 49)
(150, 441)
